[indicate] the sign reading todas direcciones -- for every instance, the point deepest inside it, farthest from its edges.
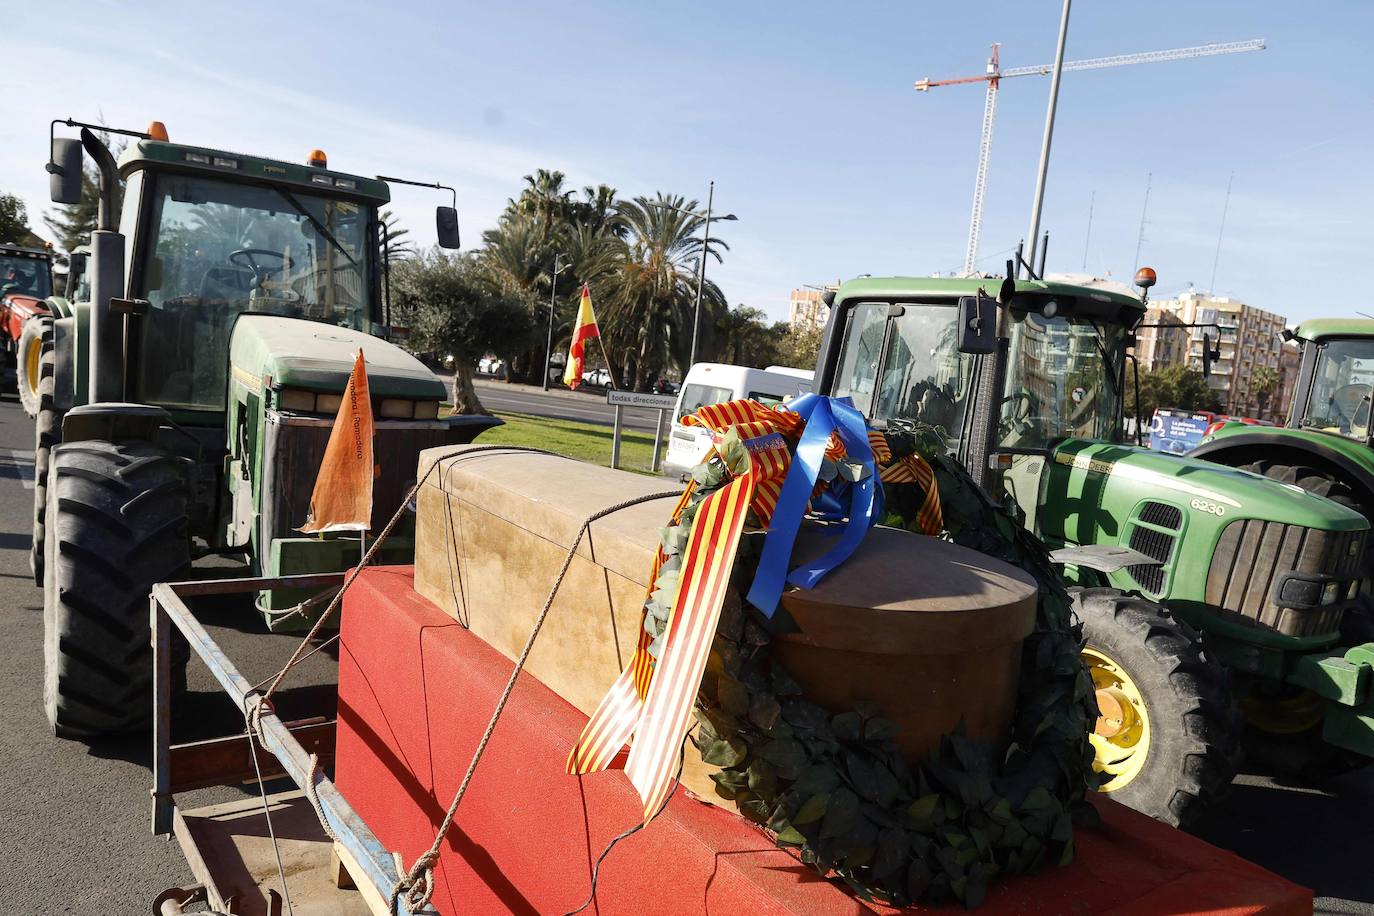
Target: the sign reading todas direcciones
(1177, 432)
(636, 399)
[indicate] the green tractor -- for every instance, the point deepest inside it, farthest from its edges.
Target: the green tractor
(1182, 569)
(186, 405)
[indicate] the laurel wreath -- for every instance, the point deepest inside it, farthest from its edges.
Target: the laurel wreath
(834, 785)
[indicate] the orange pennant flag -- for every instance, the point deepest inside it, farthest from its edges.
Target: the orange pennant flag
(342, 500)
(585, 330)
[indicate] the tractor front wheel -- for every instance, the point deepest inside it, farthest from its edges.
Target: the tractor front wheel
(34, 341)
(47, 433)
(1167, 739)
(116, 524)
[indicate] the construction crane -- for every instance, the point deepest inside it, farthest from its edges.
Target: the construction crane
(994, 76)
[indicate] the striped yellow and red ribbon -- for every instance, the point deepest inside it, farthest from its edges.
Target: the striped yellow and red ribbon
(651, 701)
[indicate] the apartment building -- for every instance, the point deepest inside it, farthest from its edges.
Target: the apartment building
(1245, 375)
(1160, 340)
(808, 309)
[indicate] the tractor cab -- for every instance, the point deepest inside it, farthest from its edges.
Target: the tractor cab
(214, 238)
(899, 357)
(1336, 380)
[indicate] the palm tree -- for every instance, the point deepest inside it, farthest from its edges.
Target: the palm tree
(648, 296)
(392, 233)
(545, 199)
(1263, 382)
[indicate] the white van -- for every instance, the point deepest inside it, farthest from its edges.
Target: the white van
(712, 383)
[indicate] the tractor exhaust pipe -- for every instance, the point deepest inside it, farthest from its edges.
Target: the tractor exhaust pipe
(107, 280)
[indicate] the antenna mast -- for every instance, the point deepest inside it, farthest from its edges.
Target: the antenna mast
(1140, 239)
(1212, 284)
(1092, 199)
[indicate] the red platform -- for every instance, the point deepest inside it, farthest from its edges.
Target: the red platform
(416, 691)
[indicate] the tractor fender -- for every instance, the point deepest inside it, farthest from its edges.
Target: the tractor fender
(1354, 465)
(113, 421)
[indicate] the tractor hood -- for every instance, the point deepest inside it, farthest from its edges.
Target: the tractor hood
(1091, 486)
(271, 351)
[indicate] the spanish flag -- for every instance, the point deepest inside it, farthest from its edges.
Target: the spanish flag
(586, 329)
(342, 500)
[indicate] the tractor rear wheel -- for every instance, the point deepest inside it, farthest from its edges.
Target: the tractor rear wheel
(34, 341)
(1358, 625)
(116, 525)
(47, 433)
(1167, 741)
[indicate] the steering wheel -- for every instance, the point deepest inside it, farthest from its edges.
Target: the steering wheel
(244, 257)
(1352, 401)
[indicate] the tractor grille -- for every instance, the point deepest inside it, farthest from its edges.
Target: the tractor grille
(1155, 544)
(295, 446)
(1162, 514)
(1252, 556)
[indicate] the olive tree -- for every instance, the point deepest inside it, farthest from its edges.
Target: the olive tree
(453, 310)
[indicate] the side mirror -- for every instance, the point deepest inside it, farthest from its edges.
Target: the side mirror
(446, 224)
(977, 324)
(64, 171)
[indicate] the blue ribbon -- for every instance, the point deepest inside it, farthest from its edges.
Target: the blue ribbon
(823, 415)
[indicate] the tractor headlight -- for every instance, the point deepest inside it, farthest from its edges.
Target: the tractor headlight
(296, 399)
(328, 403)
(1331, 593)
(426, 410)
(397, 409)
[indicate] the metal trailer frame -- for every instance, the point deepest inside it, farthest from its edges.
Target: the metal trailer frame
(283, 749)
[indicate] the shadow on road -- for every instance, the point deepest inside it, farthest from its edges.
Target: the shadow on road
(1317, 837)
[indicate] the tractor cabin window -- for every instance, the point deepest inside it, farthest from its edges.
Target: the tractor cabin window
(1061, 381)
(1341, 388)
(217, 250)
(921, 374)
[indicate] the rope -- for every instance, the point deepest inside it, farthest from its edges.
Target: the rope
(298, 655)
(417, 885)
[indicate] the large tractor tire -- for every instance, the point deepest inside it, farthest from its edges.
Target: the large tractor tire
(1358, 625)
(47, 433)
(1167, 741)
(116, 525)
(29, 367)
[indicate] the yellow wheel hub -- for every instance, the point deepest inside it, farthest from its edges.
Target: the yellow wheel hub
(1121, 736)
(32, 357)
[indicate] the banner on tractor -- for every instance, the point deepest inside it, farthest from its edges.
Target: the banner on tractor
(342, 500)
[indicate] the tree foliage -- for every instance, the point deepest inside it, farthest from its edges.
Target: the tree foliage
(800, 347)
(1264, 381)
(1175, 386)
(14, 222)
(639, 257)
(453, 309)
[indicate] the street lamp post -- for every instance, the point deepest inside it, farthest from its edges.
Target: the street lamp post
(701, 264)
(553, 294)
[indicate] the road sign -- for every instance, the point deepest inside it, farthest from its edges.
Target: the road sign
(635, 399)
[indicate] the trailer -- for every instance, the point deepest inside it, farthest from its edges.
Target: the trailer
(335, 863)
(236, 850)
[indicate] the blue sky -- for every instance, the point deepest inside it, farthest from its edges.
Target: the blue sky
(802, 112)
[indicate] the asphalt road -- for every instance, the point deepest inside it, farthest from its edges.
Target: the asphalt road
(74, 819)
(585, 406)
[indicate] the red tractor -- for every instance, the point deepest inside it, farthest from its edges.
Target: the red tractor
(25, 285)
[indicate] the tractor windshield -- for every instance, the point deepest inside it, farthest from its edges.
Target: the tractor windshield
(1060, 381)
(1341, 388)
(25, 276)
(219, 249)
(914, 371)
